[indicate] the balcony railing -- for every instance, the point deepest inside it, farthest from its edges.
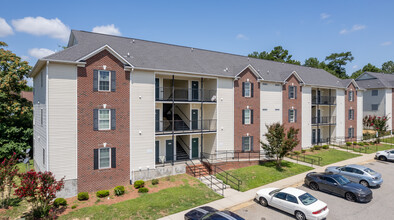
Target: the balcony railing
(321, 140)
(185, 94)
(324, 100)
(185, 126)
(323, 120)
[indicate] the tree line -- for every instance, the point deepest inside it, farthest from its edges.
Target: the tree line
(334, 63)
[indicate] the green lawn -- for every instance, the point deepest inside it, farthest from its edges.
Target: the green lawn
(388, 140)
(22, 166)
(258, 175)
(150, 206)
(371, 149)
(332, 156)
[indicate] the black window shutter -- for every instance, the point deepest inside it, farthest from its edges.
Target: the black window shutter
(251, 143)
(243, 89)
(243, 117)
(251, 89)
(95, 119)
(295, 115)
(95, 160)
(243, 143)
(289, 115)
(251, 116)
(295, 92)
(113, 81)
(95, 80)
(113, 119)
(349, 114)
(113, 157)
(349, 132)
(289, 91)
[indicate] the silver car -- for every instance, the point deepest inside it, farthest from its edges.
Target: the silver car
(358, 174)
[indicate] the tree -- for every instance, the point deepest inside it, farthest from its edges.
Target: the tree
(279, 142)
(367, 68)
(388, 67)
(378, 124)
(337, 61)
(8, 172)
(16, 115)
(39, 189)
(277, 54)
(312, 62)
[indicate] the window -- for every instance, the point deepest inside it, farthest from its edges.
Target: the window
(104, 158)
(374, 107)
(247, 116)
(351, 132)
(330, 180)
(276, 109)
(375, 92)
(104, 119)
(264, 84)
(291, 198)
(247, 143)
(42, 117)
(264, 109)
(351, 96)
(281, 195)
(351, 114)
(292, 115)
(247, 88)
(292, 92)
(357, 171)
(104, 81)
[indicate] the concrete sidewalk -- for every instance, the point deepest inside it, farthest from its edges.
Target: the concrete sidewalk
(237, 198)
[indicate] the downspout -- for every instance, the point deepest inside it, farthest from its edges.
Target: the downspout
(46, 116)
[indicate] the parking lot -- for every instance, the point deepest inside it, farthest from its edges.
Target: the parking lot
(381, 207)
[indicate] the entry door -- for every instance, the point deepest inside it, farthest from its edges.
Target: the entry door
(157, 120)
(195, 90)
(157, 88)
(157, 145)
(194, 147)
(313, 136)
(169, 150)
(318, 136)
(194, 119)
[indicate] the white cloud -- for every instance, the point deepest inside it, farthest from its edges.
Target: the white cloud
(40, 26)
(387, 43)
(241, 37)
(355, 66)
(40, 52)
(324, 16)
(26, 58)
(107, 29)
(356, 27)
(5, 28)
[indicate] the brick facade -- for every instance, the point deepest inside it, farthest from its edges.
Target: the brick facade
(89, 179)
(241, 103)
(293, 104)
(351, 105)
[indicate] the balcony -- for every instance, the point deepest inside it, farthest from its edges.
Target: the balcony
(325, 120)
(185, 94)
(321, 140)
(323, 100)
(185, 126)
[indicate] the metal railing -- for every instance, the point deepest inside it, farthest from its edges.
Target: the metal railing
(184, 126)
(324, 120)
(365, 144)
(324, 100)
(228, 178)
(311, 159)
(186, 94)
(316, 141)
(233, 155)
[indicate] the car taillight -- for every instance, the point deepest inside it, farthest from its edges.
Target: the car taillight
(321, 210)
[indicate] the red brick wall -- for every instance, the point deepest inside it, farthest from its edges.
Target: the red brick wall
(349, 105)
(89, 179)
(296, 104)
(241, 103)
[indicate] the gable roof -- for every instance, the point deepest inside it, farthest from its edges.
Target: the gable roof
(142, 54)
(370, 80)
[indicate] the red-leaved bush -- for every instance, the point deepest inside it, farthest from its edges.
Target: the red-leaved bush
(39, 189)
(8, 172)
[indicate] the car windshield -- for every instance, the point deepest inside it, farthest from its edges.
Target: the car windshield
(341, 180)
(274, 191)
(307, 199)
(370, 171)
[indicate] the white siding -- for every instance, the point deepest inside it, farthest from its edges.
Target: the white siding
(142, 120)
(340, 113)
(306, 117)
(62, 102)
(39, 102)
(388, 109)
(270, 106)
(225, 114)
(360, 113)
(379, 100)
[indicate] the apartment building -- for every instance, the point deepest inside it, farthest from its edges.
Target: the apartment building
(378, 95)
(110, 110)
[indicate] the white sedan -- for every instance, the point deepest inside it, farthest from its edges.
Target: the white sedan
(294, 201)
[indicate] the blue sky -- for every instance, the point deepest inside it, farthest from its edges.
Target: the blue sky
(306, 28)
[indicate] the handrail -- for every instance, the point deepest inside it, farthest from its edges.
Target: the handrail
(305, 158)
(236, 182)
(182, 113)
(183, 142)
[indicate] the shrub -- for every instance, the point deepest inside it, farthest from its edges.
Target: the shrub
(348, 144)
(354, 143)
(143, 190)
(155, 181)
(119, 190)
(297, 152)
(83, 196)
(74, 207)
(303, 151)
(102, 193)
(138, 184)
(317, 147)
(59, 202)
(326, 147)
(360, 144)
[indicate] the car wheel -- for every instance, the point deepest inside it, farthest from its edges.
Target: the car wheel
(314, 186)
(364, 183)
(300, 216)
(383, 158)
(350, 197)
(263, 202)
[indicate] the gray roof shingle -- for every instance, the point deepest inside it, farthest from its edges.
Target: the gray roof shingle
(376, 80)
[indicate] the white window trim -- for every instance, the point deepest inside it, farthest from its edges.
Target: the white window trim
(292, 92)
(292, 113)
(249, 89)
(42, 117)
(109, 81)
(377, 92)
(109, 164)
(250, 147)
(249, 118)
(109, 118)
(351, 95)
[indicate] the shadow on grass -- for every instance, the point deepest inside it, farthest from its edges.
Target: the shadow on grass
(272, 164)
